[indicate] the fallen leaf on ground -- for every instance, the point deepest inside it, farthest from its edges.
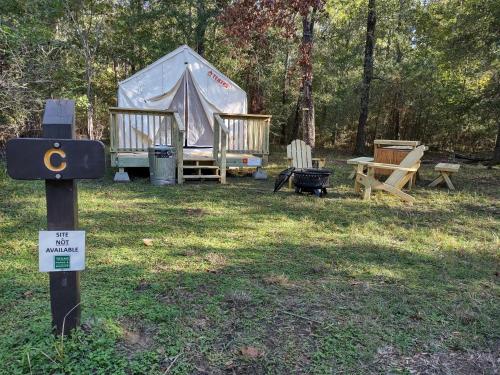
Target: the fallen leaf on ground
(147, 241)
(251, 352)
(28, 294)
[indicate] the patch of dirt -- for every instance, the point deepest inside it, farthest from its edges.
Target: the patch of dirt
(280, 343)
(238, 298)
(443, 363)
(251, 352)
(281, 280)
(137, 337)
(319, 269)
(188, 253)
(28, 294)
(197, 212)
(143, 285)
(159, 268)
(291, 333)
(466, 316)
(216, 259)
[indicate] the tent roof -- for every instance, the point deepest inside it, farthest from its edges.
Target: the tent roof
(182, 49)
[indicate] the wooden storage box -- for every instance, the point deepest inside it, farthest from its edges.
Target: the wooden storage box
(390, 151)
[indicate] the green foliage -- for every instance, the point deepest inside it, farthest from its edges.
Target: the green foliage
(436, 64)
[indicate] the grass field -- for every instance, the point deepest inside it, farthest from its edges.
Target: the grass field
(240, 280)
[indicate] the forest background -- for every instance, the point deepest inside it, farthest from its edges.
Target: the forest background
(337, 73)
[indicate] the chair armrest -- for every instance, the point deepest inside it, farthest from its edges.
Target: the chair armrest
(321, 162)
(391, 166)
(361, 160)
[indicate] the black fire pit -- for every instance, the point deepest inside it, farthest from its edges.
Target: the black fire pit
(313, 181)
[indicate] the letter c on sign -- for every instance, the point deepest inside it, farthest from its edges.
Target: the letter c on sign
(48, 163)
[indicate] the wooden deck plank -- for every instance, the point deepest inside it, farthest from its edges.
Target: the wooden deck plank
(140, 158)
(201, 176)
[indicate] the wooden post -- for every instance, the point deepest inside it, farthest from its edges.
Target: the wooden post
(266, 135)
(216, 141)
(178, 130)
(368, 186)
(180, 157)
(62, 213)
(223, 157)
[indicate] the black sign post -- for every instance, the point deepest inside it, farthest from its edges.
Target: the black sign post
(60, 160)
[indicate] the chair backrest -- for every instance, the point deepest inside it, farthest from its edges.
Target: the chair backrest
(410, 160)
(300, 153)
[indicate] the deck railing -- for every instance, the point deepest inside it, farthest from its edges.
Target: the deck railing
(239, 133)
(247, 134)
(135, 130)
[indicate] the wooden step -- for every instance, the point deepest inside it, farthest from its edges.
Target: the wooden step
(201, 177)
(196, 161)
(201, 167)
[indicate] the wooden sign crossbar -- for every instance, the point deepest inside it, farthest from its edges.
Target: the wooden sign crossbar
(54, 159)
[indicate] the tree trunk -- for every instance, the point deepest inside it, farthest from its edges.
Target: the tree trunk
(304, 115)
(255, 93)
(496, 152)
(90, 99)
(284, 96)
(90, 112)
(284, 93)
(367, 78)
(296, 124)
(201, 26)
(256, 98)
(397, 104)
(90, 120)
(396, 113)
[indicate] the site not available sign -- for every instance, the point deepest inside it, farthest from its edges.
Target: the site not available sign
(61, 250)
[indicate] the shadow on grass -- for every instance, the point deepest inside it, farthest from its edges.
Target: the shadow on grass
(363, 290)
(363, 297)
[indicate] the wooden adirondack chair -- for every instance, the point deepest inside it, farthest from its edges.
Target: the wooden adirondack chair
(402, 174)
(298, 154)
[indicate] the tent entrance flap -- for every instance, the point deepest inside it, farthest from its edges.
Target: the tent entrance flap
(188, 103)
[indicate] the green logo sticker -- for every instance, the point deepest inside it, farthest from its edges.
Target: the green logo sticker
(61, 261)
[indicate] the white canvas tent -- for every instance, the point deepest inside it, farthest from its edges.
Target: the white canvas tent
(185, 82)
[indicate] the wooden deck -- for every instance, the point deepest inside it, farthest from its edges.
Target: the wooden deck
(240, 140)
(234, 160)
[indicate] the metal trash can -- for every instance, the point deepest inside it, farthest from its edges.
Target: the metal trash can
(162, 165)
